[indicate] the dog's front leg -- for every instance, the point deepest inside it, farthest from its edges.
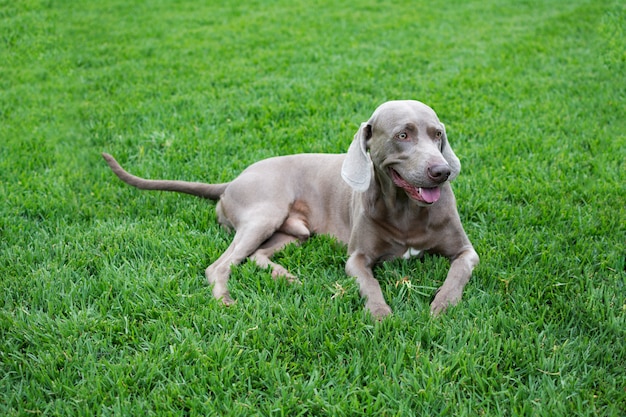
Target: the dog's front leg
(360, 267)
(459, 274)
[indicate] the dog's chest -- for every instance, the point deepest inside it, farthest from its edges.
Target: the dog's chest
(412, 253)
(410, 228)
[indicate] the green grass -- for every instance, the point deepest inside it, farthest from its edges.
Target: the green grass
(104, 306)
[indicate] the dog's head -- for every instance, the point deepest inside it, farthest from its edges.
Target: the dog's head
(403, 143)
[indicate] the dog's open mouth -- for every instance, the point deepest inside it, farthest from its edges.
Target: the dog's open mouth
(423, 194)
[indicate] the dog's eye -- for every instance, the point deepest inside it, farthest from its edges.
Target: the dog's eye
(402, 136)
(438, 134)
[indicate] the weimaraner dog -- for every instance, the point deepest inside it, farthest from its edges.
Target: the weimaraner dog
(395, 198)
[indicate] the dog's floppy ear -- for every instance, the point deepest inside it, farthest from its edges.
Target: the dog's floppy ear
(450, 156)
(357, 167)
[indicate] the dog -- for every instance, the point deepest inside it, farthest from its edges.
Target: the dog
(389, 195)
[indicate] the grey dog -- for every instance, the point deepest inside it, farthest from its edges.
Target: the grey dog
(395, 198)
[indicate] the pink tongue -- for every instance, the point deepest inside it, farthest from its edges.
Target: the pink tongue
(430, 195)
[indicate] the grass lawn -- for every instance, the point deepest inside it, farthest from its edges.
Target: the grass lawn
(104, 309)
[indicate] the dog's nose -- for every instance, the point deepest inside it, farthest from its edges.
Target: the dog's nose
(439, 172)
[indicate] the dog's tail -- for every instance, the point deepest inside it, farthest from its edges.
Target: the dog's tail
(210, 191)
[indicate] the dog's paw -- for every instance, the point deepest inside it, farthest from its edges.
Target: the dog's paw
(378, 310)
(280, 272)
(437, 308)
(227, 300)
(220, 292)
(444, 299)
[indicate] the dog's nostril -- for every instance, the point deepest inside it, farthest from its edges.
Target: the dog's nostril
(439, 172)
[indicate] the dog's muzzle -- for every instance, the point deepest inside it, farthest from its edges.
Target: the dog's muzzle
(426, 195)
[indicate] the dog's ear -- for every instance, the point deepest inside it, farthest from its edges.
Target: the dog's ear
(450, 156)
(357, 167)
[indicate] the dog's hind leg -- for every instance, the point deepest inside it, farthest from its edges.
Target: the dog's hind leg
(246, 241)
(293, 229)
(260, 226)
(262, 256)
